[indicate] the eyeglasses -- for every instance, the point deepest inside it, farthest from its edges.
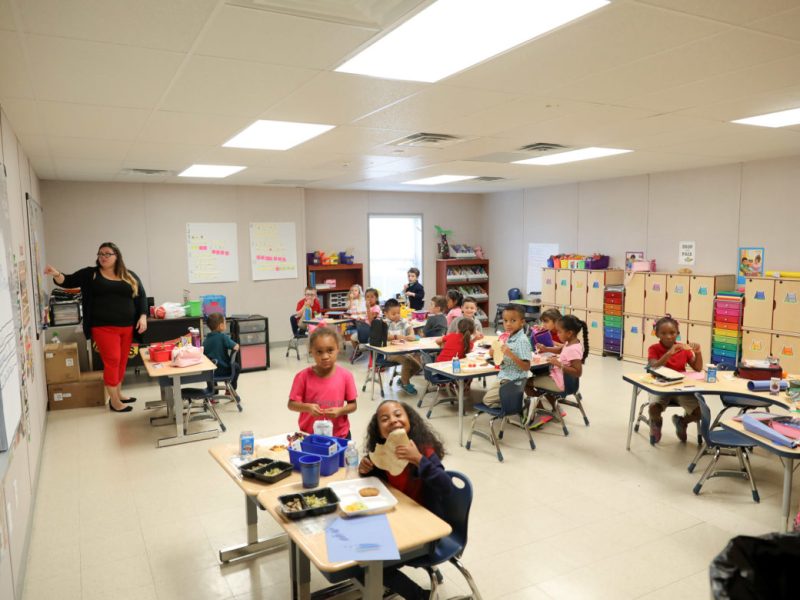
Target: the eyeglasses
(105, 254)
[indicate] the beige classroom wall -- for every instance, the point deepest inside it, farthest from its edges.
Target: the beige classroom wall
(719, 208)
(337, 219)
(148, 222)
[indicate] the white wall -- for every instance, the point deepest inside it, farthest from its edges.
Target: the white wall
(148, 223)
(720, 208)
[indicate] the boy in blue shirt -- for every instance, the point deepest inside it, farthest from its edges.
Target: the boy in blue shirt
(217, 345)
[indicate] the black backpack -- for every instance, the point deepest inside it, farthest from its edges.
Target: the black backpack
(378, 333)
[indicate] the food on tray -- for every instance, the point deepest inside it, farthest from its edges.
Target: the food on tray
(273, 472)
(355, 507)
(368, 492)
(384, 456)
(278, 448)
(316, 502)
(293, 505)
(293, 437)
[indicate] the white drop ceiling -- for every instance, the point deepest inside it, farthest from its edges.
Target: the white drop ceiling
(94, 89)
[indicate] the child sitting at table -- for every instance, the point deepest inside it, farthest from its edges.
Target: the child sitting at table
(373, 309)
(414, 290)
(436, 323)
(356, 309)
(424, 479)
(670, 353)
(217, 345)
(372, 299)
(399, 331)
(454, 299)
(516, 354)
(323, 391)
(549, 318)
(571, 356)
(306, 308)
(469, 308)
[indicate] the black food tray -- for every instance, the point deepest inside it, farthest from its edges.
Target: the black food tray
(255, 470)
(327, 493)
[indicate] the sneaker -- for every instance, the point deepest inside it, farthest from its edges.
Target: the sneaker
(409, 389)
(655, 431)
(680, 427)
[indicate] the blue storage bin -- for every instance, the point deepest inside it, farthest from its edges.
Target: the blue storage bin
(318, 445)
(613, 333)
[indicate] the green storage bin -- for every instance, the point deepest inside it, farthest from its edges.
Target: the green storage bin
(612, 320)
(194, 308)
(724, 346)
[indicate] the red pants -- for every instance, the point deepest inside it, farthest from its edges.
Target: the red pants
(114, 346)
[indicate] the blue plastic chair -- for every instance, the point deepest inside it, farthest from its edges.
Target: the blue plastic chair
(378, 334)
(456, 508)
(717, 440)
(511, 403)
(225, 385)
(571, 388)
(514, 294)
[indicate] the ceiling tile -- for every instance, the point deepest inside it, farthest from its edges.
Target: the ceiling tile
(186, 128)
(77, 169)
(786, 24)
(86, 121)
(24, 116)
(102, 74)
(15, 81)
(43, 167)
(748, 144)
(152, 155)
(749, 105)
(232, 87)
(339, 98)
(6, 16)
(728, 11)
(62, 147)
(171, 25)
(608, 38)
(34, 145)
(346, 140)
(280, 39)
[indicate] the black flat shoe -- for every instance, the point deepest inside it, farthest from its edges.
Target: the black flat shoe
(125, 409)
(128, 400)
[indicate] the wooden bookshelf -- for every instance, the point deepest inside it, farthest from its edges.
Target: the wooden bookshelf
(443, 283)
(346, 276)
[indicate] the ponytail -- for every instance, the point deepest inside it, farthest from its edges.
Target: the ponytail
(574, 325)
(466, 327)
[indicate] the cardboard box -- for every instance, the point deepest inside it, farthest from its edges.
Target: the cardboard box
(89, 391)
(61, 363)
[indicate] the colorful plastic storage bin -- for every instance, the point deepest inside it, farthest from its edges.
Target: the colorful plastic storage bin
(319, 445)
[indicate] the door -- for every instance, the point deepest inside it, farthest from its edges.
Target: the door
(594, 323)
(634, 294)
(755, 344)
(563, 287)
(678, 296)
(786, 348)
(633, 337)
(595, 284)
(701, 299)
(578, 295)
(787, 308)
(759, 298)
(548, 286)
(655, 296)
(700, 333)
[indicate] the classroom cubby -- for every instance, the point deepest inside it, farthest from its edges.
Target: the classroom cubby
(759, 302)
(549, 286)
(578, 294)
(786, 348)
(563, 287)
(655, 295)
(700, 334)
(594, 322)
(756, 345)
(596, 282)
(677, 303)
(633, 337)
(634, 293)
(786, 316)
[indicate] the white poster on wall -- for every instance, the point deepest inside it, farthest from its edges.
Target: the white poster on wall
(10, 392)
(537, 260)
(686, 253)
(273, 251)
(211, 249)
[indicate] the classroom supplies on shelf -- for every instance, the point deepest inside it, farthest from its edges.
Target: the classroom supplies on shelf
(726, 348)
(613, 298)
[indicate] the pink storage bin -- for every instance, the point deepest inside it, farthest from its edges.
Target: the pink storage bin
(736, 306)
(727, 318)
(720, 310)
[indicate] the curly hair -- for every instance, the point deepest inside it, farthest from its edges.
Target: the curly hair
(420, 432)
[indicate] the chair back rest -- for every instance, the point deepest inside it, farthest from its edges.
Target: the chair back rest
(378, 333)
(705, 418)
(511, 397)
(571, 384)
(456, 506)
(514, 294)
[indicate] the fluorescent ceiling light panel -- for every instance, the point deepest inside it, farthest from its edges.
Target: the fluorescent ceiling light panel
(452, 35)
(783, 118)
(276, 135)
(439, 179)
(571, 156)
(217, 171)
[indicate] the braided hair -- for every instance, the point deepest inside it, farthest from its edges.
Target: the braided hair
(574, 325)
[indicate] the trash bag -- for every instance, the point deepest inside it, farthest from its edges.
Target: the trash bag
(757, 568)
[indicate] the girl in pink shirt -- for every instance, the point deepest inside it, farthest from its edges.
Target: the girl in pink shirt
(324, 391)
(454, 301)
(570, 359)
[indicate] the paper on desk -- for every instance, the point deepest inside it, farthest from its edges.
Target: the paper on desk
(697, 375)
(361, 539)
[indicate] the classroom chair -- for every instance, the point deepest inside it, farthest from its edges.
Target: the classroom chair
(571, 390)
(224, 386)
(456, 507)
(298, 335)
(643, 418)
(378, 335)
(728, 402)
(513, 294)
(199, 405)
(434, 383)
(719, 440)
(511, 395)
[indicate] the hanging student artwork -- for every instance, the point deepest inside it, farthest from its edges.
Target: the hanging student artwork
(751, 264)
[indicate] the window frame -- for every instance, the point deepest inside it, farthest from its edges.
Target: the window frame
(421, 218)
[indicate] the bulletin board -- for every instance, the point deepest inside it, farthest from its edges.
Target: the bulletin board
(211, 249)
(36, 251)
(273, 251)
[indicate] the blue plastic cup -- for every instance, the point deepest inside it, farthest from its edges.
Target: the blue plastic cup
(309, 469)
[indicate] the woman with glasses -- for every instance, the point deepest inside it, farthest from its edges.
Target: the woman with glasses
(114, 304)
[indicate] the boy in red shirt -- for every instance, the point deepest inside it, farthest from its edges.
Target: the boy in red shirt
(306, 308)
(674, 355)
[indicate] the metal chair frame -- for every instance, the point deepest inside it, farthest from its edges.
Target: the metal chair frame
(511, 403)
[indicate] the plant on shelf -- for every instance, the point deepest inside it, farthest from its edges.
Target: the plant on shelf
(443, 246)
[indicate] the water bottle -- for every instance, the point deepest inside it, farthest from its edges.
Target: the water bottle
(456, 365)
(351, 459)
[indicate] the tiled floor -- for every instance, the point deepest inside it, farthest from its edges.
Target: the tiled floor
(579, 517)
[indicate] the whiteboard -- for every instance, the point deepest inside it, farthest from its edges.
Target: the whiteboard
(273, 251)
(211, 249)
(537, 260)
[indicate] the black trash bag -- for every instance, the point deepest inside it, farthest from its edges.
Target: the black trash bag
(757, 568)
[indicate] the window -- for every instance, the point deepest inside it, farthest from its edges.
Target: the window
(395, 245)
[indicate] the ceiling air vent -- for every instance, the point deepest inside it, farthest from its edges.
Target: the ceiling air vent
(489, 179)
(148, 172)
(427, 140)
(542, 147)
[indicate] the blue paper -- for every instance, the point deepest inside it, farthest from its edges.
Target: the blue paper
(759, 296)
(595, 285)
(634, 329)
(361, 539)
(703, 291)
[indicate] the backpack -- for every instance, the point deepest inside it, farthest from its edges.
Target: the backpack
(378, 333)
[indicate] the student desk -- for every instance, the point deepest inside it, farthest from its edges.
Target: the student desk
(335, 321)
(414, 528)
(787, 456)
(735, 387)
(396, 349)
(174, 405)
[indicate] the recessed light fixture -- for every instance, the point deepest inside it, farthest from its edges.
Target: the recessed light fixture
(217, 171)
(451, 35)
(439, 179)
(571, 156)
(276, 135)
(783, 118)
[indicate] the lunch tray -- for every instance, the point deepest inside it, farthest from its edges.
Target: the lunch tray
(328, 493)
(255, 469)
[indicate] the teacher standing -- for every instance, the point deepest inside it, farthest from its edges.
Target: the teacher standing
(114, 304)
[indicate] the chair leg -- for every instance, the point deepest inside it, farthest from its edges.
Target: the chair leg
(641, 418)
(701, 452)
(749, 471)
(579, 402)
(707, 472)
(502, 424)
(495, 441)
(212, 409)
(456, 561)
(557, 415)
(472, 430)
(524, 425)
(434, 584)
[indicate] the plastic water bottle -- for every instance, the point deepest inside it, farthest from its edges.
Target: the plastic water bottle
(351, 459)
(456, 365)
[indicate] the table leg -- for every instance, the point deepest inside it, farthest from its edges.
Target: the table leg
(460, 384)
(632, 418)
(788, 470)
(254, 546)
(180, 434)
(374, 356)
(373, 579)
(301, 574)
